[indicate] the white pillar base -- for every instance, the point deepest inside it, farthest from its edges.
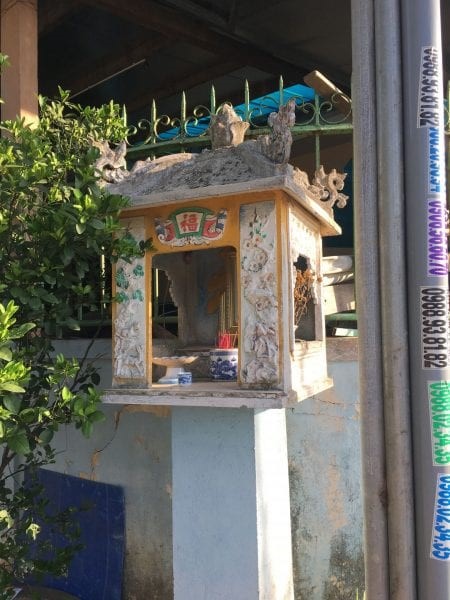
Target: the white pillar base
(231, 509)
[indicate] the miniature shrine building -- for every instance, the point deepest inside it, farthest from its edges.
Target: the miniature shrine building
(237, 232)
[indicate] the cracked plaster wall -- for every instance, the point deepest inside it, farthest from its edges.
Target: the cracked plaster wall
(325, 476)
(132, 448)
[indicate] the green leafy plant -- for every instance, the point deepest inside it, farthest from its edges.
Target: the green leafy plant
(26, 430)
(56, 221)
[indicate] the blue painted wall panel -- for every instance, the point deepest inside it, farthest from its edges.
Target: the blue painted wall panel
(96, 571)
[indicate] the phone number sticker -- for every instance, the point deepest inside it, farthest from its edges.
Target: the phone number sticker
(439, 402)
(434, 316)
(440, 539)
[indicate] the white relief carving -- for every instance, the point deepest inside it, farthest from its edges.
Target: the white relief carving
(227, 128)
(111, 163)
(130, 320)
(277, 144)
(255, 260)
(325, 188)
(128, 345)
(262, 372)
(259, 363)
(331, 185)
(263, 340)
(263, 301)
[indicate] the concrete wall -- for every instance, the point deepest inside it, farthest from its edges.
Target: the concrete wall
(326, 508)
(132, 448)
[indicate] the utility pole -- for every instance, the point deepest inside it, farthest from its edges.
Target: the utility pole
(424, 156)
(402, 294)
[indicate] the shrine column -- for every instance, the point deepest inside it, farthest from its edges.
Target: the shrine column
(19, 40)
(230, 504)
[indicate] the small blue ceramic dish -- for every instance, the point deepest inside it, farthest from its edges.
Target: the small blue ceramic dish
(184, 378)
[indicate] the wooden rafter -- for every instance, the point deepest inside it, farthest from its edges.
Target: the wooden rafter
(176, 84)
(118, 60)
(156, 17)
(51, 14)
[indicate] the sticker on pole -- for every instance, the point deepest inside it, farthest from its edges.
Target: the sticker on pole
(436, 163)
(434, 326)
(439, 402)
(440, 539)
(437, 251)
(429, 89)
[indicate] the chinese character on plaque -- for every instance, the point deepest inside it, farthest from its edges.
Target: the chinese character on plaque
(192, 225)
(189, 222)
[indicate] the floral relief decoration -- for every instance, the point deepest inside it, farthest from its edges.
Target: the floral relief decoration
(129, 324)
(260, 305)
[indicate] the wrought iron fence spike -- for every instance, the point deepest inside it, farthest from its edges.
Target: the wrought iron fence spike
(212, 100)
(153, 111)
(247, 100)
(183, 107)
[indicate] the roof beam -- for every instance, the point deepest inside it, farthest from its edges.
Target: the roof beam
(121, 59)
(176, 85)
(168, 21)
(51, 14)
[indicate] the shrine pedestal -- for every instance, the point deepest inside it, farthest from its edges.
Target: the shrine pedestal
(231, 516)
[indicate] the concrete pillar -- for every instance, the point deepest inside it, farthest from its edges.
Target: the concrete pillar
(19, 40)
(231, 516)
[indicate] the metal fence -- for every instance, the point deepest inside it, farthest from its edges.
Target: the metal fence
(161, 134)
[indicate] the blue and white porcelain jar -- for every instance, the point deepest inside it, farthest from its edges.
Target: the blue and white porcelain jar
(224, 363)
